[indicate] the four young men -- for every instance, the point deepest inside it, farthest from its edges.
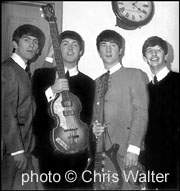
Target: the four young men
(133, 111)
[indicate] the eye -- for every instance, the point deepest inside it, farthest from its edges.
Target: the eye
(113, 45)
(75, 44)
(36, 42)
(26, 39)
(148, 51)
(64, 43)
(103, 45)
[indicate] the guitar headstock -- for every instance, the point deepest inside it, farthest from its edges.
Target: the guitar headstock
(48, 12)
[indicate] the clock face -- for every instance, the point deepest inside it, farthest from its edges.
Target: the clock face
(134, 12)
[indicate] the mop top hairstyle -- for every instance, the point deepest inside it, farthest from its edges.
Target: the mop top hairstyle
(72, 35)
(30, 30)
(153, 41)
(109, 36)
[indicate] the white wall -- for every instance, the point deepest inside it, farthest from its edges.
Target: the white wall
(89, 18)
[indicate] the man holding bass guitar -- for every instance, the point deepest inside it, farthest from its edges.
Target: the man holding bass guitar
(46, 85)
(119, 117)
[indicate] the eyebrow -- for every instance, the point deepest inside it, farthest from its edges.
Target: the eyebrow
(30, 37)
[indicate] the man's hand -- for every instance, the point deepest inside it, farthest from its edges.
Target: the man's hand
(20, 161)
(98, 129)
(60, 85)
(130, 160)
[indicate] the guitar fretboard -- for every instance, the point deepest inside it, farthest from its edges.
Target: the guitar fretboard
(57, 54)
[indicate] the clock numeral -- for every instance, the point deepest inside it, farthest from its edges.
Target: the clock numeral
(127, 15)
(133, 17)
(122, 9)
(145, 5)
(143, 11)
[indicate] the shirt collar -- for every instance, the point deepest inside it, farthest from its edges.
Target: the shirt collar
(73, 71)
(161, 74)
(114, 68)
(18, 60)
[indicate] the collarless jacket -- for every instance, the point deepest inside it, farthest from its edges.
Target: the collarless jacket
(125, 108)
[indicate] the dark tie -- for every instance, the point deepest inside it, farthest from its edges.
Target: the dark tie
(155, 80)
(28, 70)
(106, 78)
(67, 74)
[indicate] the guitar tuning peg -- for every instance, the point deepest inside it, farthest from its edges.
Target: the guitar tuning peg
(42, 15)
(40, 8)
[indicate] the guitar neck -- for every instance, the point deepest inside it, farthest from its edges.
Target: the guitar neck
(56, 46)
(100, 118)
(57, 54)
(102, 89)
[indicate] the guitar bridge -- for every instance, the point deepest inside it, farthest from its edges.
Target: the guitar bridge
(68, 112)
(67, 103)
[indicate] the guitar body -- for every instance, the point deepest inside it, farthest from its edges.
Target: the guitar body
(107, 166)
(113, 175)
(70, 134)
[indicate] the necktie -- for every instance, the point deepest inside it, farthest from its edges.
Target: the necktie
(106, 78)
(67, 74)
(155, 80)
(28, 71)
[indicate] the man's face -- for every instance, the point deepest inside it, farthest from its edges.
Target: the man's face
(109, 53)
(155, 57)
(27, 47)
(70, 51)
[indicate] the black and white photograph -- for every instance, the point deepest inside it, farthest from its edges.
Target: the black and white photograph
(90, 95)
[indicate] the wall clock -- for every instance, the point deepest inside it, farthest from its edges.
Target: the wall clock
(131, 15)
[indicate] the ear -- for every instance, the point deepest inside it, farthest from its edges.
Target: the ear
(166, 57)
(99, 54)
(81, 53)
(145, 59)
(37, 51)
(15, 45)
(120, 51)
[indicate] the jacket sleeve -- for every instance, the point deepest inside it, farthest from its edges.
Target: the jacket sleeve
(10, 130)
(139, 108)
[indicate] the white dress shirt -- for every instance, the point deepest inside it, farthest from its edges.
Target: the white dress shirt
(161, 74)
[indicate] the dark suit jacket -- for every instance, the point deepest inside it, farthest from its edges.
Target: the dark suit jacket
(18, 109)
(17, 113)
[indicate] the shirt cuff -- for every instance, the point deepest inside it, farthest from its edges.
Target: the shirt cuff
(133, 149)
(49, 94)
(18, 152)
(49, 59)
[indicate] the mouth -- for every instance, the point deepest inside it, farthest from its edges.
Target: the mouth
(70, 54)
(30, 51)
(109, 55)
(154, 59)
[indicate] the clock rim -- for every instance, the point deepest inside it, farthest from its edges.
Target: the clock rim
(134, 23)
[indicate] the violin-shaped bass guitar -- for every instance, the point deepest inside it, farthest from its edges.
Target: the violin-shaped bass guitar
(70, 134)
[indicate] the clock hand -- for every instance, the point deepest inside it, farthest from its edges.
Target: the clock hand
(137, 7)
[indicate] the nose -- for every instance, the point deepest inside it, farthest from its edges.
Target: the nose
(108, 48)
(31, 44)
(154, 52)
(70, 47)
